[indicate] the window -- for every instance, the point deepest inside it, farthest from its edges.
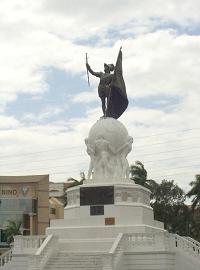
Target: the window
(52, 211)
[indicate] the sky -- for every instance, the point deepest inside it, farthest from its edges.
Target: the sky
(47, 107)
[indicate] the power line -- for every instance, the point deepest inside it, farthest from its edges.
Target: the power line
(170, 151)
(166, 142)
(76, 147)
(182, 167)
(83, 163)
(170, 158)
(41, 160)
(164, 133)
(47, 168)
(163, 176)
(84, 156)
(39, 152)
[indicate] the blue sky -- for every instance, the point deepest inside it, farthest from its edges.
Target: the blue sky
(47, 108)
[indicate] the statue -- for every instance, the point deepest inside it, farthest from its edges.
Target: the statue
(111, 89)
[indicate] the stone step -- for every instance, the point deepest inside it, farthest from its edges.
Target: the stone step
(73, 266)
(149, 261)
(75, 261)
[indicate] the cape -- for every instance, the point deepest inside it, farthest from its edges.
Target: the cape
(117, 101)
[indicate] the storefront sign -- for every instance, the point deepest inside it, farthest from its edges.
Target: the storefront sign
(8, 192)
(24, 190)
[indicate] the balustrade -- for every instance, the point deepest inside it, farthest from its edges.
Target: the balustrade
(185, 245)
(27, 244)
(5, 258)
(46, 250)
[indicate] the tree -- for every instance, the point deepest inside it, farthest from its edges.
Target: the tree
(138, 173)
(167, 201)
(194, 231)
(73, 182)
(12, 229)
(169, 207)
(195, 192)
(139, 176)
(168, 192)
(76, 182)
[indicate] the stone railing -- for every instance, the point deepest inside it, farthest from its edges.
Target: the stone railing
(146, 241)
(133, 242)
(113, 259)
(137, 242)
(192, 240)
(27, 244)
(117, 251)
(44, 253)
(5, 257)
(184, 245)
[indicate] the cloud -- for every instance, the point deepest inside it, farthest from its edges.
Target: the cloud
(85, 97)
(158, 60)
(42, 34)
(162, 63)
(7, 122)
(45, 114)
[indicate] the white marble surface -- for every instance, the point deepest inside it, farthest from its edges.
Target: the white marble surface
(108, 145)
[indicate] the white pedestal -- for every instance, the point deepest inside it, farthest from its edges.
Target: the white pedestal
(129, 212)
(109, 203)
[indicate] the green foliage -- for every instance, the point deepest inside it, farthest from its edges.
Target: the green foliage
(167, 201)
(169, 193)
(195, 192)
(74, 182)
(138, 173)
(194, 231)
(12, 229)
(169, 207)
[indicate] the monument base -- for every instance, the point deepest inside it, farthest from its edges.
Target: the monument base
(108, 202)
(96, 211)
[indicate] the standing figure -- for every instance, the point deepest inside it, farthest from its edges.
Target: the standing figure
(104, 87)
(111, 89)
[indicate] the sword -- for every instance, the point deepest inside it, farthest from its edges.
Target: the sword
(86, 58)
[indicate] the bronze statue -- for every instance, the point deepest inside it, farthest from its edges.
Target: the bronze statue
(111, 89)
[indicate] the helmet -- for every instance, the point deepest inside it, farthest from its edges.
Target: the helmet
(110, 66)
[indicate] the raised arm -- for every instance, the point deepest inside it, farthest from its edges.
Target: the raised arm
(97, 74)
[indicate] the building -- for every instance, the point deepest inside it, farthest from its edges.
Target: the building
(57, 190)
(57, 199)
(56, 209)
(25, 199)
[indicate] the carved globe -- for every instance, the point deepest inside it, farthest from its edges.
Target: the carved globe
(110, 129)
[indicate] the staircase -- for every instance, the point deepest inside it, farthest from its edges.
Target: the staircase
(128, 251)
(75, 261)
(149, 261)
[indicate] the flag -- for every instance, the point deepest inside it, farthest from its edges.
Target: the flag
(117, 101)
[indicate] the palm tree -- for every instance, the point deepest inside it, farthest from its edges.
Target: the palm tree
(138, 173)
(12, 229)
(195, 192)
(73, 182)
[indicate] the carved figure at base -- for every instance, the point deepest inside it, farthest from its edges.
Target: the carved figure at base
(125, 165)
(102, 167)
(108, 159)
(90, 152)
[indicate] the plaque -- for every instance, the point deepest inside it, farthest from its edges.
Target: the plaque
(110, 221)
(97, 195)
(96, 210)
